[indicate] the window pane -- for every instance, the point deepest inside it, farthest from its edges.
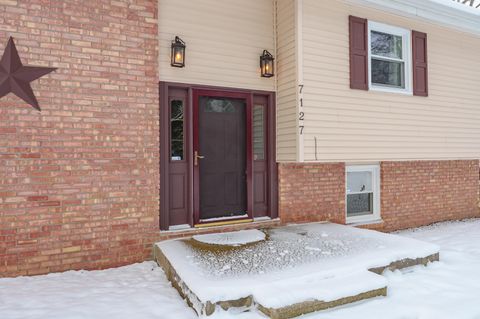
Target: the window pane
(177, 150)
(177, 110)
(220, 106)
(258, 132)
(359, 204)
(176, 130)
(388, 73)
(387, 45)
(359, 182)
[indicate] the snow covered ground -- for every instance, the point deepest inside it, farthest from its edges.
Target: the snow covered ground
(447, 289)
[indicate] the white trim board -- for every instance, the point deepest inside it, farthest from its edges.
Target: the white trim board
(299, 59)
(427, 10)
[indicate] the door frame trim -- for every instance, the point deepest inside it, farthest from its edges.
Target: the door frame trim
(164, 156)
(197, 93)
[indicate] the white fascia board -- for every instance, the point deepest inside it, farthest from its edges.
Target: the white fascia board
(426, 10)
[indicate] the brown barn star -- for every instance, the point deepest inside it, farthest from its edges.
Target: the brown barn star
(16, 78)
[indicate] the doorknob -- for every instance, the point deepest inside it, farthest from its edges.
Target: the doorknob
(197, 157)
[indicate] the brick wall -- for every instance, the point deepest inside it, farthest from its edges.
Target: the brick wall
(312, 192)
(423, 192)
(412, 193)
(79, 181)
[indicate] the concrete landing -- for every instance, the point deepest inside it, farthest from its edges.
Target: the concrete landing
(288, 272)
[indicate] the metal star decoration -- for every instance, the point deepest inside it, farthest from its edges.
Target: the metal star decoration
(15, 77)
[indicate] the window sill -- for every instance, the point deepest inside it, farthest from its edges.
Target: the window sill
(369, 221)
(390, 90)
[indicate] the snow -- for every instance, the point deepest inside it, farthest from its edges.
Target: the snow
(465, 7)
(443, 290)
(307, 288)
(296, 259)
(136, 291)
(237, 238)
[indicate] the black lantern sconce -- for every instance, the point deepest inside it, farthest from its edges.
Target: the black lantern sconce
(178, 53)
(267, 64)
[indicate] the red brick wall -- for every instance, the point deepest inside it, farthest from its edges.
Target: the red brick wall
(412, 193)
(79, 181)
(312, 192)
(423, 192)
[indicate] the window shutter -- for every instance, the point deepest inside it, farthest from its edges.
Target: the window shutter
(420, 68)
(358, 53)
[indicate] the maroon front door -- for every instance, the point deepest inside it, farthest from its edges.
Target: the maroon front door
(217, 155)
(221, 156)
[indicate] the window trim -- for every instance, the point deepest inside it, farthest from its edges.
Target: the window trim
(375, 170)
(407, 54)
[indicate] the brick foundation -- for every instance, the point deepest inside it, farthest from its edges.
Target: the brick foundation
(413, 193)
(424, 192)
(311, 192)
(79, 181)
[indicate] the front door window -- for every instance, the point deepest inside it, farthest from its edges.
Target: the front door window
(259, 132)
(177, 142)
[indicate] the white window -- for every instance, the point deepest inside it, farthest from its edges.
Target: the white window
(389, 58)
(362, 193)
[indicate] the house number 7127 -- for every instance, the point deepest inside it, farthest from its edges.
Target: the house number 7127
(301, 115)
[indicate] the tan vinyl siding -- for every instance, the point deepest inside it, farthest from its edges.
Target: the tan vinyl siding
(286, 82)
(224, 41)
(353, 125)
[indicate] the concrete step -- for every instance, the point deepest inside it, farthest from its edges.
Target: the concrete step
(291, 301)
(294, 270)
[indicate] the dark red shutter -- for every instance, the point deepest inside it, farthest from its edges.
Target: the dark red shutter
(358, 53)
(420, 68)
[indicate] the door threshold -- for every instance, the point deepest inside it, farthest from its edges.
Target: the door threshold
(224, 223)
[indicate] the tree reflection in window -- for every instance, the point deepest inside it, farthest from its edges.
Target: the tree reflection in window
(220, 106)
(176, 130)
(387, 60)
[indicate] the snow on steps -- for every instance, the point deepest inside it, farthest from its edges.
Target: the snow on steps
(296, 270)
(290, 300)
(237, 238)
(295, 300)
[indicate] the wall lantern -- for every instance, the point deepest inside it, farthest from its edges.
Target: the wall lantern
(178, 53)
(266, 64)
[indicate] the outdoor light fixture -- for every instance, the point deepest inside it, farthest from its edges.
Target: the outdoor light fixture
(266, 64)
(178, 53)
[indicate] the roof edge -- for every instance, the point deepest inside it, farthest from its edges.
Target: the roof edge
(430, 11)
